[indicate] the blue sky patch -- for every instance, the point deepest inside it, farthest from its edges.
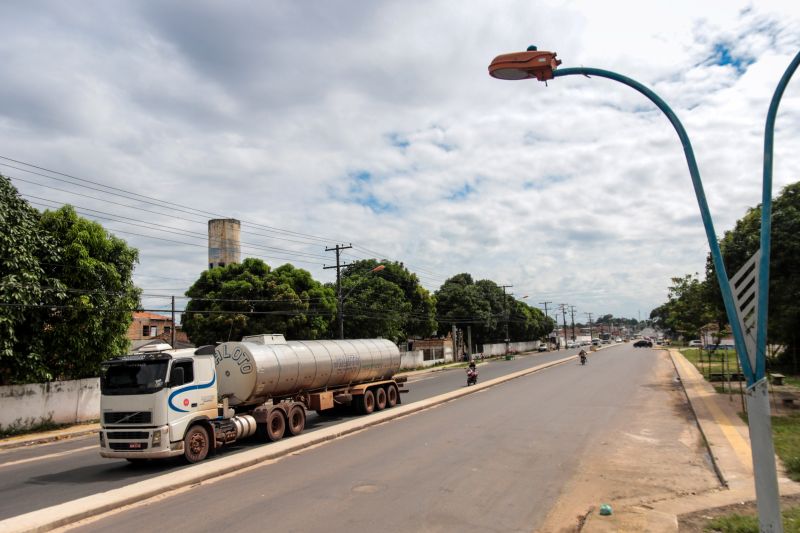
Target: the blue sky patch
(397, 140)
(374, 204)
(544, 182)
(462, 193)
(723, 56)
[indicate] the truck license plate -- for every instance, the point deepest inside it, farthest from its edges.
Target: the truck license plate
(136, 445)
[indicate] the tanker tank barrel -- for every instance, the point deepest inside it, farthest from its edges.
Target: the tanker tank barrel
(261, 367)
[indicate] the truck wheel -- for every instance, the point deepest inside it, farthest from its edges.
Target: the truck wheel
(297, 421)
(196, 444)
(275, 426)
(380, 398)
(367, 402)
(391, 395)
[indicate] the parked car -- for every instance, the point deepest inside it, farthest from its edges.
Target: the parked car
(618, 339)
(542, 347)
(572, 344)
(695, 343)
(644, 343)
(595, 342)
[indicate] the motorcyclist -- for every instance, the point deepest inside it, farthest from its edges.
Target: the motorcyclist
(582, 354)
(472, 373)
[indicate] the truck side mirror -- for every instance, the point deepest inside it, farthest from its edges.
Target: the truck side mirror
(176, 379)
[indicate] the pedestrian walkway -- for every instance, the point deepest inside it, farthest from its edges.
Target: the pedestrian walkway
(728, 442)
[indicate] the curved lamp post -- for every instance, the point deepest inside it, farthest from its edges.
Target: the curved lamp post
(343, 298)
(542, 65)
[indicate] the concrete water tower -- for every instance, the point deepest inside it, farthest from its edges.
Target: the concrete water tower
(224, 246)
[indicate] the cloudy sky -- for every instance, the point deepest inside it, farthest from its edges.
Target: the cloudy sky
(376, 123)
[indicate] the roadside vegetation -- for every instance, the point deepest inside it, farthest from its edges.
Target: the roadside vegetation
(738, 523)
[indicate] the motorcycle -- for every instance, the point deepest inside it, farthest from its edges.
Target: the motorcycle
(472, 376)
(583, 358)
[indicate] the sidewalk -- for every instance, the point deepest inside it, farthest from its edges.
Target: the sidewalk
(728, 442)
(29, 439)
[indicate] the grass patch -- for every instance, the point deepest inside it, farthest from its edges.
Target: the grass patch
(716, 362)
(737, 523)
(786, 434)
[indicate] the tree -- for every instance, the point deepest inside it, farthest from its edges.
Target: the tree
(22, 248)
(411, 312)
(739, 244)
(459, 301)
(688, 308)
(230, 302)
(89, 321)
(66, 291)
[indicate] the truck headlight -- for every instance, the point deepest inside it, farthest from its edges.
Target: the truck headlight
(157, 438)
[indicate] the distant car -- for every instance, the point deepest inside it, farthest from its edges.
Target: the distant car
(643, 344)
(572, 344)
(618, 339)
(695, 343)
(542, 347)
(595, 342)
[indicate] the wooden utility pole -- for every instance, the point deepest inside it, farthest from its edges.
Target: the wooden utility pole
(339, 266)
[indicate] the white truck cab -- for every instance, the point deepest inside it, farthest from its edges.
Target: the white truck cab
(148, 400)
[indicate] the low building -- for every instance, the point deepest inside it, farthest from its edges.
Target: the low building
(148, 328)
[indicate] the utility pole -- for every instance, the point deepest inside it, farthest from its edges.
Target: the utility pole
(339, 266)
(572, 315)
(564, 317)
(172, 331)
(505, 307)
(591, 335)
(546, 316)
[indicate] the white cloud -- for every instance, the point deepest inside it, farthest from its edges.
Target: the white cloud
(576, 192)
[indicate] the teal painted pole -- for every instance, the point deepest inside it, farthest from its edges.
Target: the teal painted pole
(716, 255)
(766, 221)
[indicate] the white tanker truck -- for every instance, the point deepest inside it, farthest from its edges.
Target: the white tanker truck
(191, 402)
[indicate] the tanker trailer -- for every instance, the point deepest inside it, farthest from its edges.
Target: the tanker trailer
(191, 402)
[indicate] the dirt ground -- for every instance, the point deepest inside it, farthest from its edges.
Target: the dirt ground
(654, 451)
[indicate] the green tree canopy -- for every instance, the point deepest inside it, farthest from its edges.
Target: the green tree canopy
(739, 244)
(230, 302)
(373, 308)
(91, 321)
(66, 291)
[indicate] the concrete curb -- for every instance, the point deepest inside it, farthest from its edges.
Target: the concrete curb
(44, 438)
(72, 511)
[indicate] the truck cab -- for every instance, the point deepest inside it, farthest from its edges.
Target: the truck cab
(149, 400)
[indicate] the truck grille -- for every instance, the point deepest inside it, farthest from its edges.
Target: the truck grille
(126, 446)
(123, 417)
(127, 435)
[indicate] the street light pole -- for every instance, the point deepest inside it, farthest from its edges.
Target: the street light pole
(542, 66)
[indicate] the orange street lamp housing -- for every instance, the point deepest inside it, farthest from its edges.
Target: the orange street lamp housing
(524, 65)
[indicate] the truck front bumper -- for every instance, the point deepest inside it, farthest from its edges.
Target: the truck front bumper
(138, 443)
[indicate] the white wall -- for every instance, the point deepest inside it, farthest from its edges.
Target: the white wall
(61, 402)
(415, 359)
(500, 347)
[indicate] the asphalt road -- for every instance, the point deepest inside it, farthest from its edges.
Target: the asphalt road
(40, 476)
(493, 461)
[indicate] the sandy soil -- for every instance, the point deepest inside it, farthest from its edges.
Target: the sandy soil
(653, 452)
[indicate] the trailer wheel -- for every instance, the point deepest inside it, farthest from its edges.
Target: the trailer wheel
(297, 421)
(380, 398)
(275, 426)
(196, 444)
(367, 402)
(391, 395)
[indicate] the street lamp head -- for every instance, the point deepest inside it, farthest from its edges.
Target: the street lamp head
(523, 65)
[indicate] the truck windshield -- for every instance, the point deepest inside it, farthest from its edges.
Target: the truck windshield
(133, 377)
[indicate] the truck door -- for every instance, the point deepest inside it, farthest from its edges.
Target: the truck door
(183, 397)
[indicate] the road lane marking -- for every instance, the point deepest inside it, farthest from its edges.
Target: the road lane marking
(49, 456)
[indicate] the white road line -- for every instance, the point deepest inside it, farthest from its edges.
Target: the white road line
(41, 457)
